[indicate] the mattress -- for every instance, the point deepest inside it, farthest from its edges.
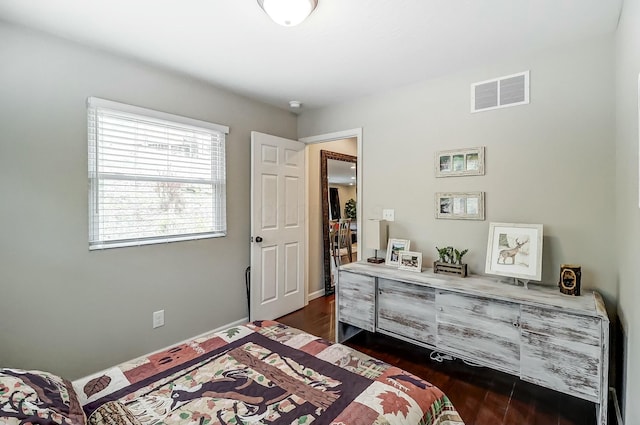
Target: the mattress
(265, 372)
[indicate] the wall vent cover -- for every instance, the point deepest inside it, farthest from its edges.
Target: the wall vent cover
(502, 92)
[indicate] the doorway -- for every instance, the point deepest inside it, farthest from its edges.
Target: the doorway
(315, 278)
(338, 178)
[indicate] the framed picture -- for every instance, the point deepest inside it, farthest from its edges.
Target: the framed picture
(460, 162)
(460, 205)
(515, 250)
(410, 260)
(394, 246)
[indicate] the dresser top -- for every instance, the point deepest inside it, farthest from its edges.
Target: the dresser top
(588, 304)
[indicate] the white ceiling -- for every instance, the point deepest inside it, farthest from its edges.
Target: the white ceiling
(345, 49)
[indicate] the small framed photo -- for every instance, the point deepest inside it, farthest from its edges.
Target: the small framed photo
(515, 250)
(460, 205)
(460, 162)
(394, 246)
(410, 260)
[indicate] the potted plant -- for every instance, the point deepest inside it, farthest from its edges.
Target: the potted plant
(450, 261)
(350, 209)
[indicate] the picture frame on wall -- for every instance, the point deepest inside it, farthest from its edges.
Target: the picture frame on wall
(515, 250)
(410, 260)
(459, 205)
(460, 162)
(394, 246)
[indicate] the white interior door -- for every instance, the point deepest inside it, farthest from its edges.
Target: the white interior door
(277, 226)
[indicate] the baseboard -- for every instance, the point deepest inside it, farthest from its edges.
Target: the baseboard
(316, 294)
(221, 328)
(616, 406)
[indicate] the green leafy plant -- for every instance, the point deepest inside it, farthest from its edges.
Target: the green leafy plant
(350, 209)
(450, 255)
(459, 255)
(445, 254)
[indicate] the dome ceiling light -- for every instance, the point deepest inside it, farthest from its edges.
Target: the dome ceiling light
(288, 13)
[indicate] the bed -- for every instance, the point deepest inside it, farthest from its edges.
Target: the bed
(264, 373)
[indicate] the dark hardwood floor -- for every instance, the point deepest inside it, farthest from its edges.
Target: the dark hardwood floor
(481, 395)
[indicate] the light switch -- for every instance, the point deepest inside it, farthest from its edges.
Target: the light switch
(388, 214)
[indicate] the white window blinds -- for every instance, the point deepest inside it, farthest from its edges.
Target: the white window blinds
(153, 177)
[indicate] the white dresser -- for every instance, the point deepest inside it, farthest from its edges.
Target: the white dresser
(544, 337)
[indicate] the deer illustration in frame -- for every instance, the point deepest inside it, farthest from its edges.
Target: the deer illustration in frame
(515, 250)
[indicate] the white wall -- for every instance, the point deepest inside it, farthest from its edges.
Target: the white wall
(549, 162)
(315, 263)
(71, 311)
(627, 212)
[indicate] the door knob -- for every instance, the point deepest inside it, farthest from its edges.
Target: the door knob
(258, 239)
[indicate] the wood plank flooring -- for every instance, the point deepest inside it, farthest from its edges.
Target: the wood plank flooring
(481, 395)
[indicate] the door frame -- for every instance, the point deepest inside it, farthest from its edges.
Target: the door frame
(330, 137)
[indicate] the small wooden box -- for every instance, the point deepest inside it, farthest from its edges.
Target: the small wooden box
(570, 275)
(448, 268)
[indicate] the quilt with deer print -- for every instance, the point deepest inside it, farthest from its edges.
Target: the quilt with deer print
(266, 373)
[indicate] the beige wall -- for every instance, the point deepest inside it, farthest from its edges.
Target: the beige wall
(315, 263)
(627, 218)
(71, 311)
(548, 162)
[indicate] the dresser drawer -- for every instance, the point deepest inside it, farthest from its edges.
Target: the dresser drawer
(357, 300)
(408, 310)
(483, 330)
(561, 351)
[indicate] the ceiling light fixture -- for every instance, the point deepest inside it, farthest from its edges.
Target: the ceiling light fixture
(288, 13)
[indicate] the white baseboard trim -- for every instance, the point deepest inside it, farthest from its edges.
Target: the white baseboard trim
(221, 328)
(616, 405)
(316, 294)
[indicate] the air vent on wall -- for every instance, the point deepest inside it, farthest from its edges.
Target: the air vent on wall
(502, 92)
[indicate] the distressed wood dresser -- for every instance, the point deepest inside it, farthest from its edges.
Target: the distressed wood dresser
(544, 337)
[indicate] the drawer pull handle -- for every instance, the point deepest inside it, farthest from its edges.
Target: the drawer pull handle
(517, 325)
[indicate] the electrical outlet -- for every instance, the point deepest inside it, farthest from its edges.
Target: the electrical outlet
(388, 214)
(158, 318)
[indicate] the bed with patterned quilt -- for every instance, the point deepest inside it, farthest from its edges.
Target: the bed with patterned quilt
(260, 373)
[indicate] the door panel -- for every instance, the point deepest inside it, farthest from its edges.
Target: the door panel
(269, 202)
(277, 226)
(269, 274)
(561, 351)
(479, 328)
(292, 209)
(292, 258)
(408, 310)
(357, 300)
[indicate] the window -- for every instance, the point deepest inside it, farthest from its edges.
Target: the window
(153, 177)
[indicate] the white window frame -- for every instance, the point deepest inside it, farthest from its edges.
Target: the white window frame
(96, 241)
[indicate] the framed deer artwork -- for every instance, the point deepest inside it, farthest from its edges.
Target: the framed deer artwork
(515, 250)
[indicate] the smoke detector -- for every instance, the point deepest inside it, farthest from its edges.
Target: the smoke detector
(295, 104)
